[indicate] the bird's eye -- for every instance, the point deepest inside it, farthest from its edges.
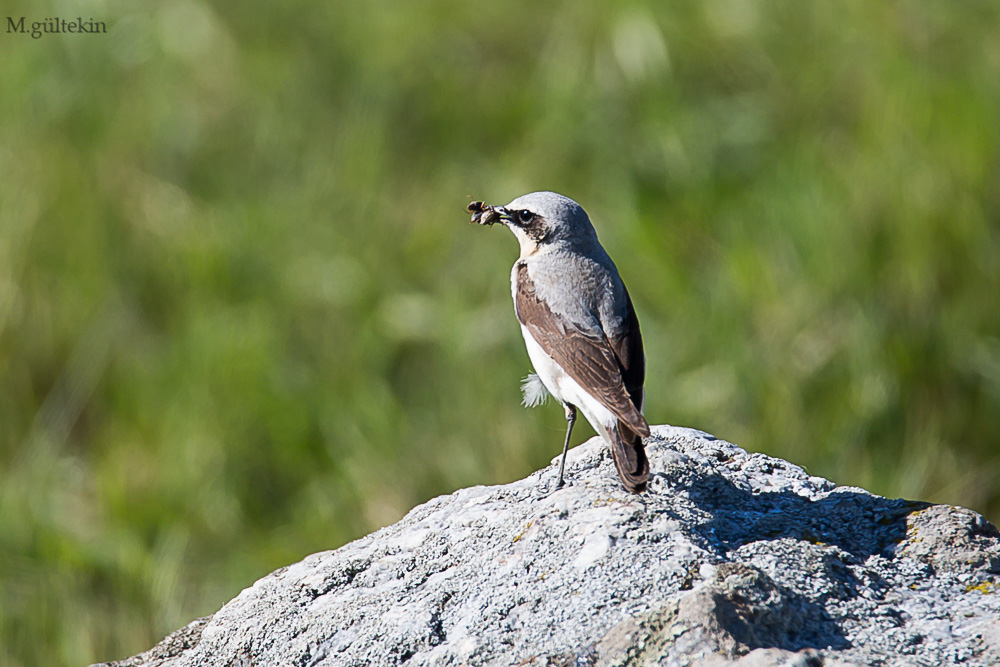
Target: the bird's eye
(525, 216)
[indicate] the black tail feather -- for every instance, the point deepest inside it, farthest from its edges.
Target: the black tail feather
(630, 458)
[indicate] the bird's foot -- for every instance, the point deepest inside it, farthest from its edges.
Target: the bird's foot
(546, 488)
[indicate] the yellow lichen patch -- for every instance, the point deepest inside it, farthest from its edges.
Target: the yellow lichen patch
(985, 587)
(911, 523)
(813, 538)
(523, 530)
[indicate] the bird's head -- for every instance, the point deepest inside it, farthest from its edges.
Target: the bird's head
(538, 220)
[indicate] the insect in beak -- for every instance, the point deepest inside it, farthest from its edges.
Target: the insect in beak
(484, 214)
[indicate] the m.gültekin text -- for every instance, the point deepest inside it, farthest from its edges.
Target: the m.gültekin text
(55, 26)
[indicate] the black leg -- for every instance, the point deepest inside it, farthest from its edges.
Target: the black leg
(570, 420)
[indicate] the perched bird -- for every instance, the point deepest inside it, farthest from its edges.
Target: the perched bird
(578, 324)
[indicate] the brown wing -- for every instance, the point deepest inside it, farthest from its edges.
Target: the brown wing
(609, 369)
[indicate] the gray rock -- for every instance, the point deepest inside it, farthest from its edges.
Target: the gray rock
(728, 558)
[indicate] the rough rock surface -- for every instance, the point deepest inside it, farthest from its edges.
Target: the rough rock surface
(728, 558)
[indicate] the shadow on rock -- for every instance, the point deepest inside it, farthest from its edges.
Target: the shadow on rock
(858, 523)
(739, 610)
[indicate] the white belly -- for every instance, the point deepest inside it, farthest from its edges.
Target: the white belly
(565, 388)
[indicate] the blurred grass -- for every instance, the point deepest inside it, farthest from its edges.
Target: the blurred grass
(243, 318)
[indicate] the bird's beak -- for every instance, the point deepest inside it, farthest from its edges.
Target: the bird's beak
(502, 212)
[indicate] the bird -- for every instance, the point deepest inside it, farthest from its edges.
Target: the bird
(579, 326)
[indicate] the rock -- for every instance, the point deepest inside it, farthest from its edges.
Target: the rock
(967, 534)
(729, 558)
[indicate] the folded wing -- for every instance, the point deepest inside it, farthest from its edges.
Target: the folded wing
(609, 368)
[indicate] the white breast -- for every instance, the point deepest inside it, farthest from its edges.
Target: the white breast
(565, 388)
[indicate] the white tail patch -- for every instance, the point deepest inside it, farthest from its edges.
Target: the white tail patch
(533, 390)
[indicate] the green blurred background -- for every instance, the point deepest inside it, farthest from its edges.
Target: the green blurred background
(243, 317)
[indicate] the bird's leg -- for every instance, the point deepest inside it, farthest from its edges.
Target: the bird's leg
(570, 420)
